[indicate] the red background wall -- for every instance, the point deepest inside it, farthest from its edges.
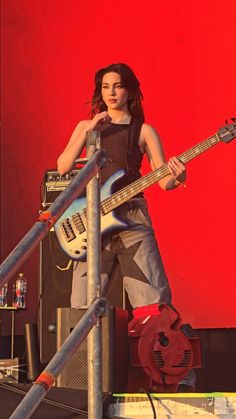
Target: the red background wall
(184, 55)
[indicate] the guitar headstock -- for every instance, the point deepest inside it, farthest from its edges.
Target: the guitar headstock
(228, 132)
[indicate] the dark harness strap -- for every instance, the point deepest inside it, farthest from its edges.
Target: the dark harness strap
(133, 140)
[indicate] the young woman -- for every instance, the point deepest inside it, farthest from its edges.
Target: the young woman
(118, 114)
(116, 108)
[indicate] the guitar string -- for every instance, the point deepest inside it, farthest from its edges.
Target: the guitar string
(121, 196)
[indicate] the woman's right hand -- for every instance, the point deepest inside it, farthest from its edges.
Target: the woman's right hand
(66, 160)
(99, 117)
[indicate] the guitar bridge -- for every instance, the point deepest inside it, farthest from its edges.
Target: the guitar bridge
(78, 222)
(67, 230)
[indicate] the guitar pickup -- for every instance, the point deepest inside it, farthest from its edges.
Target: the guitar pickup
(78, 222)
(67, 230)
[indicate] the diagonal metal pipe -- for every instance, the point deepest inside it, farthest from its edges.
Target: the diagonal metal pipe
(39, 230)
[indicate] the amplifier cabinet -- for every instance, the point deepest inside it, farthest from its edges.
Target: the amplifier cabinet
(114, 350)
(53, 184)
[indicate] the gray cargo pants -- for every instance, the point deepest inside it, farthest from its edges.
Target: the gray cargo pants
(136, 250)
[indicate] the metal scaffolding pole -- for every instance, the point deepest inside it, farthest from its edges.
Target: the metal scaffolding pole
(94, 341)
(46, 379)
(48, 218)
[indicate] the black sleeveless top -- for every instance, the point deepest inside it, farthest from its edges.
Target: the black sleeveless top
(115, 139)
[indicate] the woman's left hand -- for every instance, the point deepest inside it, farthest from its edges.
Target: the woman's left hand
(177, 169)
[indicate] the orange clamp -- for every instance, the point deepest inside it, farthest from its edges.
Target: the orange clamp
(46, 379)
(46, 217)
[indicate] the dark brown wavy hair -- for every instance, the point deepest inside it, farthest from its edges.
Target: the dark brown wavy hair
(130, 83)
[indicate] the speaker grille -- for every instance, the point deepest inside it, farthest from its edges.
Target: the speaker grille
(77, 371)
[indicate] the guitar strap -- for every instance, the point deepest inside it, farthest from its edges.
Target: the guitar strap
(133, 140)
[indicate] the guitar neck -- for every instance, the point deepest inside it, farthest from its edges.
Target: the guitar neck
(144, 182)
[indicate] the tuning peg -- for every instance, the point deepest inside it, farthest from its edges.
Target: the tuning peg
(233, 119)
(226, 122)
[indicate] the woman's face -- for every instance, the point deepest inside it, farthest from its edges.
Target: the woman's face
(114, 94)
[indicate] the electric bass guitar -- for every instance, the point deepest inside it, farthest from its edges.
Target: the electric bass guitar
(71, 227)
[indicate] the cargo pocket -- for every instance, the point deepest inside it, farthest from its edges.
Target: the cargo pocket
(142, 217)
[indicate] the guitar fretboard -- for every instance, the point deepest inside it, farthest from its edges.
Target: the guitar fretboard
(144, 182)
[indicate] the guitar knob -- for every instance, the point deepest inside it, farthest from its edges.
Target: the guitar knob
(77, 252)
(84, 247)
(84, 240)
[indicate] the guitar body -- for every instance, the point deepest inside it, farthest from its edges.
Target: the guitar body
(71, 227)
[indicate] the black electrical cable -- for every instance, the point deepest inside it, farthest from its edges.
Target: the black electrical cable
(151, 402)
(44, 278)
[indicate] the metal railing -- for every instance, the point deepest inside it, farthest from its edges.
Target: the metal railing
(90, 322)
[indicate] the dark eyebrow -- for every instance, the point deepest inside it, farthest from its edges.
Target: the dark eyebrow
(117, 82)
